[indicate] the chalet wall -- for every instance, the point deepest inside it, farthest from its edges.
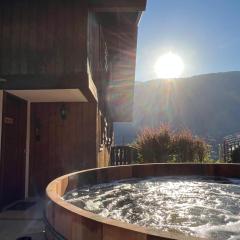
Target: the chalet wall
(59, 146)
(27, 148)
(122, 44)
(104, 157)
(13, 147)
(98, 56)
(94, 44)
(43, 37)
(104, 140)
(1, 111)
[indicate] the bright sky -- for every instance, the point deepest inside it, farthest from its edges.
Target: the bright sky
(204, 33)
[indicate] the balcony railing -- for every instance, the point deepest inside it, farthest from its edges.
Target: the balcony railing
(122, 155)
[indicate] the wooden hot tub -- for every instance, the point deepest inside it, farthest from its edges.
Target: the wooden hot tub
(66, 221)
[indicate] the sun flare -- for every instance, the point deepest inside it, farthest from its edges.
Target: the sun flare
(169, 66)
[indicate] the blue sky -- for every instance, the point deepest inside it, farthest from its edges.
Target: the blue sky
(205, 33)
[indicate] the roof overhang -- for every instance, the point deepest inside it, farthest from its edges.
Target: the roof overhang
(50, 95)
(80, 86)
(117, 5)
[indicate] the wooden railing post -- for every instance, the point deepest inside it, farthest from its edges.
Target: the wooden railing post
(122, 155)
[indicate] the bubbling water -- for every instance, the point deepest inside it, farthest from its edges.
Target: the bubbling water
(199, 206)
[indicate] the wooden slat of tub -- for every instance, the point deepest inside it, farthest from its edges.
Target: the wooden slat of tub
(83, 228)
(116, 233)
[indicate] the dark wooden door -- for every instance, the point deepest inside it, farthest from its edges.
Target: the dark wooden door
(13, 149)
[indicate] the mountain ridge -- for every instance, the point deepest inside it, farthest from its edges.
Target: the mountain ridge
(193, 76)
(207, 104)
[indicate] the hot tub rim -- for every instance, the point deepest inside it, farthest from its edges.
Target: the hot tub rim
(57, 199)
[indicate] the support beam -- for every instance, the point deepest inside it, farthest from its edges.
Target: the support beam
(117, 5)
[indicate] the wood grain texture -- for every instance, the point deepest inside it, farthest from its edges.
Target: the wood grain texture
(13, 146)
(63, 145)
(43, 37)
(44, 43)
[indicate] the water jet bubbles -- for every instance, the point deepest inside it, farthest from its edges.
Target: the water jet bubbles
(198, 206)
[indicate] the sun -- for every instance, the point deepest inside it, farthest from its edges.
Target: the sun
(169, 66)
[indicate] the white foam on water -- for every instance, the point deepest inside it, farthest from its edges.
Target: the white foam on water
(207, 231)
(197, 206)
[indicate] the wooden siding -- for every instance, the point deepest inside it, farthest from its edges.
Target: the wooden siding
(98, 57)
(48, 44)
(13, 149)
(104, 140)
(43, 37)
(122, 43)
(104, 157)
(59, 146)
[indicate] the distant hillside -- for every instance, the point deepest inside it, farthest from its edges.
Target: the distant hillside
(208, 105)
